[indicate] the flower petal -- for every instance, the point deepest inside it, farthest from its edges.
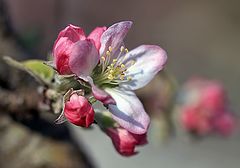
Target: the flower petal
(123, 141)
(83, 58)
(60, 53)
(99, 94)
(128, 111)
(96, 34)
(73, 33)
(149, 60)
(114, 36)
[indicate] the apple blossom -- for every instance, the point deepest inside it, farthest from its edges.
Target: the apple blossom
(112, 71)
(204, 108)
(120, 71)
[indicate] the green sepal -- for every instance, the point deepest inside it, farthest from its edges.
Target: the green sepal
(105, 120)
(66, 82)
(36, 68)
(61, 118)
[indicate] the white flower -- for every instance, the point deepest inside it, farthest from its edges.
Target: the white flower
(120, 72)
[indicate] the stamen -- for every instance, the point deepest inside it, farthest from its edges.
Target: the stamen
(120, 54)
(108, 54)
(114, 72)
(122, 59)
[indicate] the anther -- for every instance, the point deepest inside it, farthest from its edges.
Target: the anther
(129, 78)
(122, 48)
(108, 53)
(122, 77)
(103, 58)
(110, 48)
(110, 76)
(111, 71)
(122, 66)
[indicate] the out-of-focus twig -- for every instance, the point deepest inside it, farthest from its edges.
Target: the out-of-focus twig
(16, 102)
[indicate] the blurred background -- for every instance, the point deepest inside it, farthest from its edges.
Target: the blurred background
(201, 38)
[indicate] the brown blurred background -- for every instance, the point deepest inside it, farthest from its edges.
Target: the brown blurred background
(200, 37)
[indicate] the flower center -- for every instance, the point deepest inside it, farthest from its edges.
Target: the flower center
(113, 67)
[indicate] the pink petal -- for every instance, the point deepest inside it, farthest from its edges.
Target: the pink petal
(61, 55)
(114, 36)
(123, 141)
(99, 94)
(149, 60)
(73, 33)
(83, 58)
(128, 111)
(96, 34)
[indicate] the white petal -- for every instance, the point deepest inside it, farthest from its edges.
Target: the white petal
(114, 36)
(128, 111)
(149, 60)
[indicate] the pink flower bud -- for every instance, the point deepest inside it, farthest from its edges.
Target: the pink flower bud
(125, 141)
(73, 52)
(62, 47)
(79, 111)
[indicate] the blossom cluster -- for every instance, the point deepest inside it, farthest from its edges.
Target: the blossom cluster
(204, 108)
(108, 73)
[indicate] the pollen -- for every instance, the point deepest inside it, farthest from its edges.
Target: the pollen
(111, 71)
(129, 78)
(122, 76)
(110, 76)
(108, 53)
(122, 66)
(103, 58)
(110, 48)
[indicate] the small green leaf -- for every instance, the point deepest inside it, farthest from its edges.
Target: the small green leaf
(41, 72)
(38, 67)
